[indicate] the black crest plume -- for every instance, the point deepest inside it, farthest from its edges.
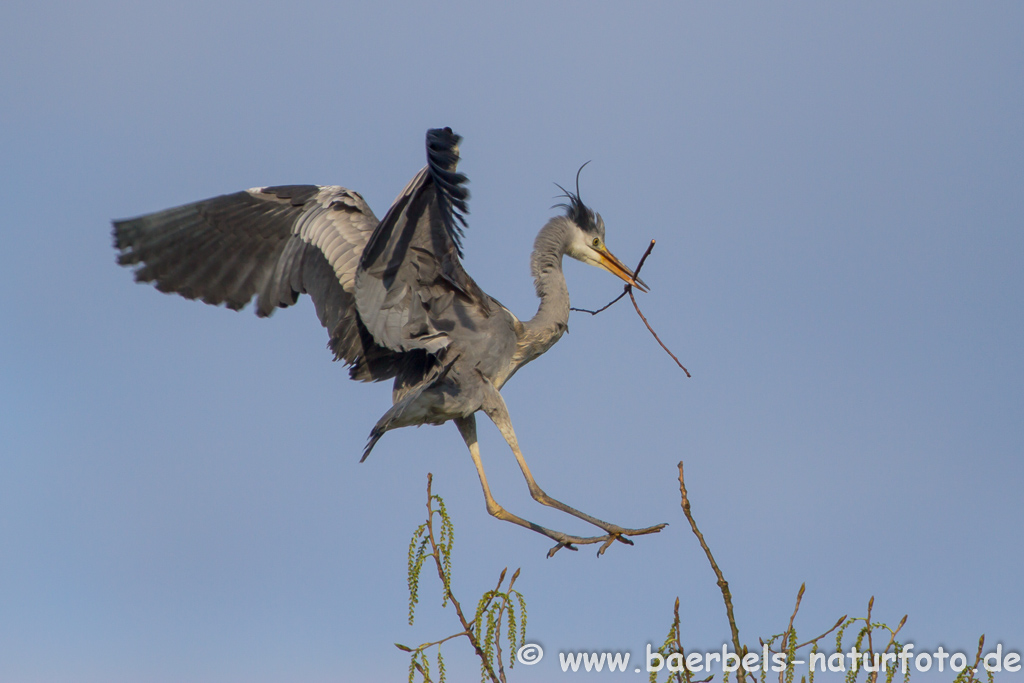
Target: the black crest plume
(576, 211)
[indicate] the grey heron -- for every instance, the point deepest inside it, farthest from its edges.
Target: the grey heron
(392, 294)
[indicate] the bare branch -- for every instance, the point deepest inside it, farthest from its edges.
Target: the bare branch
(789, 629)
(426, 646)
(628, 289)
(643, 258)
(625, 289)
(814, 640)
(722, 583)
(603, 308)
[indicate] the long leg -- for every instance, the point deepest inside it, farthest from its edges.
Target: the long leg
(495, 408)
(467, 427)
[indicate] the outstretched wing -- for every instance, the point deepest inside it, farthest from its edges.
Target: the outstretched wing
(411, 290)
(271, 243)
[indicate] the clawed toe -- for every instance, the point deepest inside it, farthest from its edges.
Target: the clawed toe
(615, 533)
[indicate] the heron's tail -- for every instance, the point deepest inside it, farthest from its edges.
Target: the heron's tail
(397, 417)
(388, 421)
(375, 435)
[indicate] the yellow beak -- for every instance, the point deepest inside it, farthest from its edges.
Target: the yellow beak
(613, 265)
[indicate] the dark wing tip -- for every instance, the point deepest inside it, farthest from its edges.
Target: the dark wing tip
(117, 230)
(443, 148)
(442, 159)
(126, 234)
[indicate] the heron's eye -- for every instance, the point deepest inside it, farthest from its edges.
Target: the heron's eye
(597, 242)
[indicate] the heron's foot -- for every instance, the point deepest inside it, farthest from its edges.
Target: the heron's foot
(615, 533)
(564, 540)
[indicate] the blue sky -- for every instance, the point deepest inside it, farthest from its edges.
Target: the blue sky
(836, 195)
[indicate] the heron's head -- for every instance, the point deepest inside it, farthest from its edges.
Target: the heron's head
(587, 239)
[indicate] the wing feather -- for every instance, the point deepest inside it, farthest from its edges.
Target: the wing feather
(272, 244)
(410, 272)
(390, 292)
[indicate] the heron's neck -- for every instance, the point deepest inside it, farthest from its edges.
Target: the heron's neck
(552, 318)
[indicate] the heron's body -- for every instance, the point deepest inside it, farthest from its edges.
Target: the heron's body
(392, 293)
